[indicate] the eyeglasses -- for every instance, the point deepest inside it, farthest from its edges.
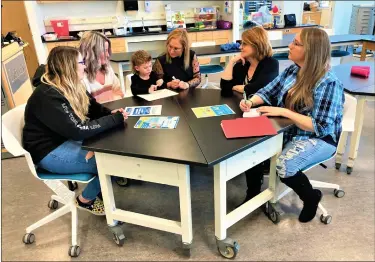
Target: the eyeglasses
(296, 43)
(174, 48)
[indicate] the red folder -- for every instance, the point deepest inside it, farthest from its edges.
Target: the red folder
(248, 127)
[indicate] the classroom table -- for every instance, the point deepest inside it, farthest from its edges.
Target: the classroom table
(165, 157)
(364, 90)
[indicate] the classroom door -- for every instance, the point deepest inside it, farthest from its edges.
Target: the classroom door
(14, 18)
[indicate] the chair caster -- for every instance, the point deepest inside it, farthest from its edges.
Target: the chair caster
(122, 181)
(53, 204)
(72, 185)
(325, 219)
(338, 165)
(28, 238)
(74, 251)
(270, 211)
(228, 248)
(118, 235)
(339, 193)
(349, 170)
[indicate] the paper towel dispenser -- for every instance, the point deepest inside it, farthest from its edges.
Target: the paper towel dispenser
(130, 5)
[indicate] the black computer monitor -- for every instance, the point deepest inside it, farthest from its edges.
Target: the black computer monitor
(130, 5)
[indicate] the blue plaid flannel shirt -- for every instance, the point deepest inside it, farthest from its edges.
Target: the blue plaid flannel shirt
(326, 113)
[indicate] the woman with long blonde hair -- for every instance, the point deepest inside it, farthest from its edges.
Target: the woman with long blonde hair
(309, 94)
(179, 66)
(59, 115)
(100, 79)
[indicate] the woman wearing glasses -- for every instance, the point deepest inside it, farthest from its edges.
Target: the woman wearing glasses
(100, 79)
(179, 66)
(248, 72)
(309, 94)
(59, 115)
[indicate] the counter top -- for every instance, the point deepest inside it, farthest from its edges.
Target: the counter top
(163, 32)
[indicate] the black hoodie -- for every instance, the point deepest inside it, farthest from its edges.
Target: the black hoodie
(50, 120)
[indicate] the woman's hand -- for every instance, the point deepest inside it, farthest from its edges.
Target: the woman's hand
(239, 88)
(237, 58)
(183, 85)
(272, 111)
(245, 105)
(152, 89)
(122, 111)
(174, 84)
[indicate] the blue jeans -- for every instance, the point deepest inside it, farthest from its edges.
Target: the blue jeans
(300, 154)
(69, 158)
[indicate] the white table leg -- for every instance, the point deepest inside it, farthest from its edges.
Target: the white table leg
(341, 149)
(354, 141)
(185, 204)
(220, 195)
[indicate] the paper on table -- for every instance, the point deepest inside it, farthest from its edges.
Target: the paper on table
(252, 113)
(143, 110)
(158, 95)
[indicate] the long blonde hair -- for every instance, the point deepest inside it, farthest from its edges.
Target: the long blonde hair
(257, 37)
(61, 73)
(91, 46)
(317, 48)
(182, 35)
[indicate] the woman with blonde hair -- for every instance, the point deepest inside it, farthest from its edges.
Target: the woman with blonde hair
(248, 72)
(179, 66)
(309, 94)
(100, 79)
(59, 115)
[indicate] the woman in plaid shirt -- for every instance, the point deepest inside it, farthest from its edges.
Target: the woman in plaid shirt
(311, 96)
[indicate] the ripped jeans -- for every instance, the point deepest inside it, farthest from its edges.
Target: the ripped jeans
(300, 154)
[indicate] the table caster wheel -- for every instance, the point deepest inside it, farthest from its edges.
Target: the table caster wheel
(118, 235)
(271, 213)
(53, 204)
(228, 248)
(349, 170)
(28, 238)
(122, 181)
(339, 193)
(72, 185)
(74, 251)
(338, 165)
(326, 219)
(186, 250)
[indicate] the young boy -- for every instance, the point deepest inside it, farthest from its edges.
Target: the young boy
(144, 80)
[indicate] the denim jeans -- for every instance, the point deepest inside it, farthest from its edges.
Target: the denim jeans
(69, 158)
(300, 154)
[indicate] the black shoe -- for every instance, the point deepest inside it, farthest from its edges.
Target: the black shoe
(95, 206)
(310, 197)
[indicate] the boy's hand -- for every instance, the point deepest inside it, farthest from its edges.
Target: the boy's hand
(152, 88)
(159, 82)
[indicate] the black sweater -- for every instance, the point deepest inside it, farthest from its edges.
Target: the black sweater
(266, 71)
(50, 121)
(140, 86)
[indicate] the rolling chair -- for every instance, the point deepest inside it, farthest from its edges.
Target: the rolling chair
(12, 125)
(213, 68)
(347, 126)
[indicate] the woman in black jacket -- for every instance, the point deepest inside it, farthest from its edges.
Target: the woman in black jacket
(59, 115)
(248, 72)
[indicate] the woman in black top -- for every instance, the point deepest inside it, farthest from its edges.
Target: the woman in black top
(253, 68)
(179, 66)
(59, 115)
(248, 72)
